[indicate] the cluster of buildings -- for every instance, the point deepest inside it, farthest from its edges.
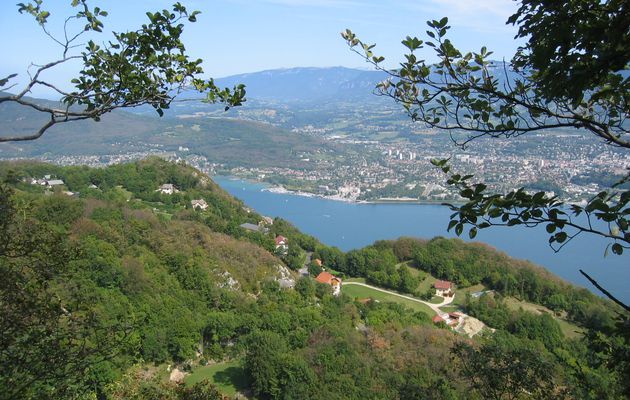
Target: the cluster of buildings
(47, 181)
(281, 242)
(400, 154)
(451, 319)
(379, 170)
(52, 183)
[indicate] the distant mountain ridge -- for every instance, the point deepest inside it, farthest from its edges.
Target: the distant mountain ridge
(222, 139)
(314, 84)
(307, 84)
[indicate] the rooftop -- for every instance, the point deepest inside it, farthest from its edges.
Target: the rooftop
(442, 285)
(326, 277)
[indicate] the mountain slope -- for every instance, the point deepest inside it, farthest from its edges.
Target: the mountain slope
(104, 288)
(309, 85)
(220, 139)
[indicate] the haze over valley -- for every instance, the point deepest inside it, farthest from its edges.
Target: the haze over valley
(323, 131)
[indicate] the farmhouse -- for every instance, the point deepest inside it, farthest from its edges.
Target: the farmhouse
(199, 204)
(167, 188)
(451, 319)
(330, 279)
(443, 288)
(54, 182)
(282, 244)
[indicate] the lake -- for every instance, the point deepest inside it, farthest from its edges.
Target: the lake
(355, 225)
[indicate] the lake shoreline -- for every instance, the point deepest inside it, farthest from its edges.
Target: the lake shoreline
(348, 226)
(279, 189)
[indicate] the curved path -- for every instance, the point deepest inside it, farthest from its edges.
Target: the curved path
(434, 307)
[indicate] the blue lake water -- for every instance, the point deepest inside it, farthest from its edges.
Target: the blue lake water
(350, 225)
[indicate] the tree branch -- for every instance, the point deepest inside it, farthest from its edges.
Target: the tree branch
(605, 292)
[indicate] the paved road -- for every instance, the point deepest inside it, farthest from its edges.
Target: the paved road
(434, 307)
(468, 325)
(304, 270)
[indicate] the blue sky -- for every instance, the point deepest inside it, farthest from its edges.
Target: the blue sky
(238, 36)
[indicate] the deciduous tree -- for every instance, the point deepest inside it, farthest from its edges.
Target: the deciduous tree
(147, 66)
(571, 73)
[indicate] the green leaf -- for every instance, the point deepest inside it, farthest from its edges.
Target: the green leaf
(480, 187)
(561, 237)
(459, 229)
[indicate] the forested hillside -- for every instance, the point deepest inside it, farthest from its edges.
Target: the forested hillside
(217, 136)
(109, 280)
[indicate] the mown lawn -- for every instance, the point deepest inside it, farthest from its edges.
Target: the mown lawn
(229, 377)
(360, 280)
(436, 299)
(460, 294)
(450, 308)
(362, 292)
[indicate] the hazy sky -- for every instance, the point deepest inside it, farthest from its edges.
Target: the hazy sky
(238, 36)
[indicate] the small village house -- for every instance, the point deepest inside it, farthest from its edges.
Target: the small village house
(330, 279)
(443, 288)
(451, 319)
(199, 204)
(282, 244)
(54, 182)
(167, 188)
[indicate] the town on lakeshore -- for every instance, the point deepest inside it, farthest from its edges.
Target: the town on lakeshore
(567, 165)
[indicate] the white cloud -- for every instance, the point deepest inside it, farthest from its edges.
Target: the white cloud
(480, 15)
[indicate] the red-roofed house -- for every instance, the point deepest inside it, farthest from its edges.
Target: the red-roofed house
(443, 288)
(454, 319)
(282, 244)
(330, 279)
(451, 319)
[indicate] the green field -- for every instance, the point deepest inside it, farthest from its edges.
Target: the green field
(229, 376)
(360, 280)
(436, 299)
(450, 308)
(460, 294)
(362, 292)
(570, 330)
(426, 280)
